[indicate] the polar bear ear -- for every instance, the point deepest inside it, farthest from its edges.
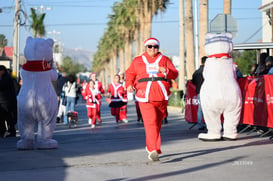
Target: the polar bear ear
(50, 42)
(29, 38)
(209, 35)
(228, 34)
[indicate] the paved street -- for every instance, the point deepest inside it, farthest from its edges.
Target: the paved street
(111, 153)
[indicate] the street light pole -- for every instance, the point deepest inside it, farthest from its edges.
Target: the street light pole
(196, 36)
(54, 33)
(42, 8)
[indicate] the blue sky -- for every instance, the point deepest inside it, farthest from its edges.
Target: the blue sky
(83, 22)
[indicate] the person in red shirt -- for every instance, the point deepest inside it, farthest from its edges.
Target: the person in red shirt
(148, 74)
(92, 97)
(118, 98)
(99, 87)
(123, 109)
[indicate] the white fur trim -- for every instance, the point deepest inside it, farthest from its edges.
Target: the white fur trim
(151, 41)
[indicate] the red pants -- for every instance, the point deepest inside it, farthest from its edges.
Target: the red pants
(115, 111)
(166, 114)
(123, 112)
(92, 114)
(98, 112)
(152, 114)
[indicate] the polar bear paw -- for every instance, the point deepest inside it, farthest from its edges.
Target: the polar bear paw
(47, 144)
(209, 137)
(25, 144)
(230, 137)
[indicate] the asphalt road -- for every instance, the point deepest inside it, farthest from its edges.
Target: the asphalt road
(117, 153)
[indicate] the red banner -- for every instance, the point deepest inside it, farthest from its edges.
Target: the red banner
(257, 98)
(192, 102)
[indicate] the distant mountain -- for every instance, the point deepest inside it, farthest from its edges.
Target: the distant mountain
(81, 56)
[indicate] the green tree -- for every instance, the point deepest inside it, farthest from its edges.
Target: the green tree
(37, 23)
(130, 21)
(245, 60)
(3, 41)
(71, 67)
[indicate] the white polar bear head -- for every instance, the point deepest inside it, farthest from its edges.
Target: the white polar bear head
(218, 43)
(37, 49)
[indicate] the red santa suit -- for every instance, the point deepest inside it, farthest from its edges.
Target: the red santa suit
(98, 86)
(123, 109)
(152, 93)
(92, 98)
(118, 99)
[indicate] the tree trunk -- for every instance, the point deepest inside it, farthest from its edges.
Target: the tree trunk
(189, 40)
(203, 26)
(142, 27)
(121, 60)
(128, 54)
(110, 72)
(148, 21)
(181, 83)
(114, 65)
(137, 43)
(102, 77)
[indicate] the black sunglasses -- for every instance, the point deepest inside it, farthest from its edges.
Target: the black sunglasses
(151, 46)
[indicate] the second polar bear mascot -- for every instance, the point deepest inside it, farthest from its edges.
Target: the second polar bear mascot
(220, 92)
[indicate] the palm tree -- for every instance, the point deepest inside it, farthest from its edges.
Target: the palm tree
(203, 26)
(123, 29)
(148, 8)
(37, 23)
(189, 39)
(3, 43)
(125, 23)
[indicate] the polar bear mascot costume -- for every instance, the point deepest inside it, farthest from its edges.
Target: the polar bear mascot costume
(37, 99)
(220, 92)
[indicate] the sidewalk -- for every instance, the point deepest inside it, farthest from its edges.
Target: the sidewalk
(118, 154)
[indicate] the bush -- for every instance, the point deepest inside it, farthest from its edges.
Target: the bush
(176, 98)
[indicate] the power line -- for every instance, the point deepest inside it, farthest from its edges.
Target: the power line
(81, 6)
(257, 31)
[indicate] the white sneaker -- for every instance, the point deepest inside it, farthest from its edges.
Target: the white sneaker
(93, 126)
(89, 121)
(125, 120)
(147, 150)
(153, 156)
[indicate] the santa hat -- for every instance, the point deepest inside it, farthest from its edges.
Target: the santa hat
(120, 73)
(92, 74)
(150, 41)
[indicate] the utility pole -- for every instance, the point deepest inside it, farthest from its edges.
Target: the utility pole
(196, 36)
(181, 83)
(54, 33)
(227, 6)
(16, 42)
